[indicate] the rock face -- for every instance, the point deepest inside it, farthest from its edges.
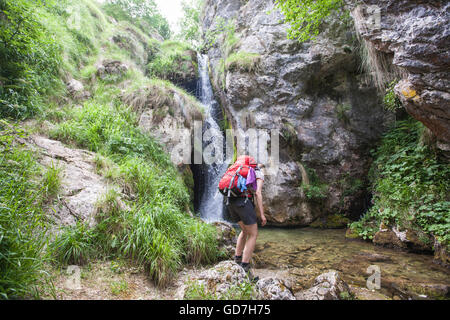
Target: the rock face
(312, 92)
(327, 286)
(81, 187)
(415, 34)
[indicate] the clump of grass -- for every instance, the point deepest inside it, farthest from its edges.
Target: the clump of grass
(315, 190)
(243, 61)
(155, 232)
(74, 245)
(52, 181)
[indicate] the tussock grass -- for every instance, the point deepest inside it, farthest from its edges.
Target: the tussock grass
(377, 64)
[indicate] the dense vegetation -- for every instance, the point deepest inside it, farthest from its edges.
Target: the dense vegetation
(42, 45)
(410, 184)
(23, 186)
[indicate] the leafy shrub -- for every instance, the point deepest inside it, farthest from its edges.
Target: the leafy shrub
(390, 100)
(315, 190)
(29, 58)
(410, 185)
(306, 16)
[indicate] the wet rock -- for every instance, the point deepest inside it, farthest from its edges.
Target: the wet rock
(327, 286)
(375, 257)
(273, 289)
(361, 293)
(351, 234)
(388, 238)
(441, 254)
(77, 91)
(416, 290)
(335, 221)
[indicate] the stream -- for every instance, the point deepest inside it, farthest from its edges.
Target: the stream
(308, 252)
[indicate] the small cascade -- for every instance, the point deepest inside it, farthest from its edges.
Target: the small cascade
(211, 201)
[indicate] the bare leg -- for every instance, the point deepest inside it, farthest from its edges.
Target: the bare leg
(241, 242)
(252, 233)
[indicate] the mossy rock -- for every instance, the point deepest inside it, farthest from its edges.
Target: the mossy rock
(335, 221)
(351, 234)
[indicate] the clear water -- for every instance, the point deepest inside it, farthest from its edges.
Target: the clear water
(308, 252)
(211, 203)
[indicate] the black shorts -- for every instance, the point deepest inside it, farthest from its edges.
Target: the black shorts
(240, 210)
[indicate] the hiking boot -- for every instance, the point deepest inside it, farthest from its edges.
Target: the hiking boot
(238, 259)
(251, 277)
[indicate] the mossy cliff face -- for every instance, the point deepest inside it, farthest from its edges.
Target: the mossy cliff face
(312, 92)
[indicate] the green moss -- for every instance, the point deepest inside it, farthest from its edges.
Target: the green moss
(334, 221)
(243, 61)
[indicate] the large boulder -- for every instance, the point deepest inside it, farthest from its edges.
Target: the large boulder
(313, 93)
(218, 280)
(327, 286)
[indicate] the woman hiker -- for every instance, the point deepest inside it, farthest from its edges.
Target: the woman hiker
(242, 210)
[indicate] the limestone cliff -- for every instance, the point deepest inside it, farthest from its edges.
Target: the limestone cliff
(312, 92)
(416, 36)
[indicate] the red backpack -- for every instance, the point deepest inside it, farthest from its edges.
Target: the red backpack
(228, 183)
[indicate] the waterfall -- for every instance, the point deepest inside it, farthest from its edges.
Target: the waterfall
(211, 201)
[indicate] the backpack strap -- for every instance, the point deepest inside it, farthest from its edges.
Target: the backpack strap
(231, 184)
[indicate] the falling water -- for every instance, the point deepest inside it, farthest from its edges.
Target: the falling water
(211, 202)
